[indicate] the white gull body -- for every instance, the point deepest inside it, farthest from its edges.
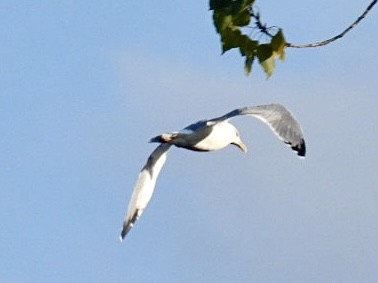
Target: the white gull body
(209, 135)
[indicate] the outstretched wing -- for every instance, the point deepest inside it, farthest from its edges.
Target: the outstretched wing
(144, 187)
(279, 119)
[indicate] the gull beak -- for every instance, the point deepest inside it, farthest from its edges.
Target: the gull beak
(241, 145)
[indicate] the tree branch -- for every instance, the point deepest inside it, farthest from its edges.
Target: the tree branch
(325, 42)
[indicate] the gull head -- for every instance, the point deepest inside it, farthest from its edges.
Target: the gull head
(238, 142)
(233, 136)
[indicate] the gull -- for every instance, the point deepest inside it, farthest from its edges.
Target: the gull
(209, 135)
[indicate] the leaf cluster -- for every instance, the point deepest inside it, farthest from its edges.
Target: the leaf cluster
(229, 17)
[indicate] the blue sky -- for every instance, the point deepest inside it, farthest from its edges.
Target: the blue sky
(84, 85)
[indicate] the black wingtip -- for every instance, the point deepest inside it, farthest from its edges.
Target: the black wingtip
(300, 149)
(127, 225)
(125, 230)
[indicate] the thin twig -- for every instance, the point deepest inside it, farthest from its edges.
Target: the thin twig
(325, 42)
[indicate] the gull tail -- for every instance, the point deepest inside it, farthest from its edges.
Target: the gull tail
(164, 138)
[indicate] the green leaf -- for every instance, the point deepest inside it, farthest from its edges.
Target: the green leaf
(265, 55)
(278, 44)
(241, 5)
(242, 19)
(232, 7)
(264, 52)
(268, 66)
(247, 46)
(248, 64)
(219, 4)
(222, 21)
(248, 3)
(230, 39)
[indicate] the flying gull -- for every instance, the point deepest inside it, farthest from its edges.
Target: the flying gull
(209, 135)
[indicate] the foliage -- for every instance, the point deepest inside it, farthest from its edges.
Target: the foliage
(232, 18)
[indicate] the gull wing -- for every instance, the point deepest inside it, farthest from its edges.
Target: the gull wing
(279, 120)
(196, 126)
(144, 187)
